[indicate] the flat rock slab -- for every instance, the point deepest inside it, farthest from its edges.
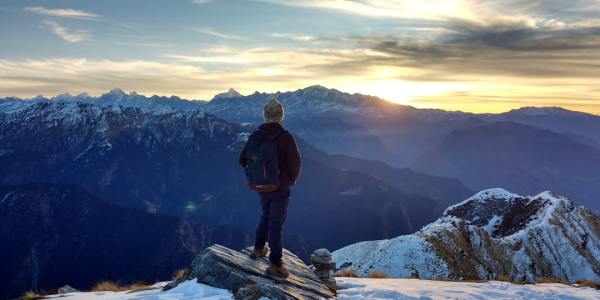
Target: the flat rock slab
(222, 267)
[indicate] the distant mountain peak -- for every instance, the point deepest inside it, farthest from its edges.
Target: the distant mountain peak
(117, 92)
(231, 93)
(316, 87)
(318, 90)
(540, 111)
(38, 98)
(83, 95)
(63, 96)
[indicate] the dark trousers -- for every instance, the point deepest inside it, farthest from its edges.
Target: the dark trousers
(274, 211)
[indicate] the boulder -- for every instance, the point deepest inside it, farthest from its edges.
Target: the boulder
(222, 267)
(322, 256)
(67, 289)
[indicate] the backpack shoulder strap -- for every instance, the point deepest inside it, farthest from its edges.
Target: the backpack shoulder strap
(274, 136)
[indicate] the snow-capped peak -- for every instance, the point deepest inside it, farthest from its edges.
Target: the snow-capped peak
(316, 87)
(116, 92)
(489, 209)
(61, 97)
(38, 98)
(494, 232)
(231, 93)
(483, 196)
(83, 95)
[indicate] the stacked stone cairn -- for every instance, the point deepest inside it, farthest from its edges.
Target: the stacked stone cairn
(323, 267)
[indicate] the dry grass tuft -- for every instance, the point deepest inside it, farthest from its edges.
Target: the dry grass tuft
(180, 275)
(503, 277)
(551, 280)
(588, 283)
(108, 286)
(346, 272)
(461, 280)
(377, 274)
(31, 295)
(139, 286)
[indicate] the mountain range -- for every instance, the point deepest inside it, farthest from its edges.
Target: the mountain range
(526, 159)
(373, 129)
(372, 170)
(185, 164)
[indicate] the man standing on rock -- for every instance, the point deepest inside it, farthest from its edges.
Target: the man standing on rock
(272, 164)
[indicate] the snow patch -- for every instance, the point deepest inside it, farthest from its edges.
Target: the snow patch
(398, 289)
(187, 290)
(353, 191)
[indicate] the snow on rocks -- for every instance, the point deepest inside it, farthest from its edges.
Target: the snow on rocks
(494, 233)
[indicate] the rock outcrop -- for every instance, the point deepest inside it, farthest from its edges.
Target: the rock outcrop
(222, 267)
(67, 289)
(490, 235)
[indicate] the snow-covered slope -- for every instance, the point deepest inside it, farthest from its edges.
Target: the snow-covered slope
(373, 289)
(188, 290)
(494, 233)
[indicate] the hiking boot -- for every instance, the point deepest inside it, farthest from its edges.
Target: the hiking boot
(259, 252)
(278, 270)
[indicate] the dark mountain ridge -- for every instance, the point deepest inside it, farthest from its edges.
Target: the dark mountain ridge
(519, 157)
(60, 234)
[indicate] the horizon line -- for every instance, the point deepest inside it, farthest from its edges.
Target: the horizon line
(131, 91)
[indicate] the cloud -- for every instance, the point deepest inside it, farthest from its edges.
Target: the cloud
(52, 76)
(486, 81)
(218, 34)
(201, 1)
(437, 10)
(294, 37)
(66, 33)
(471, 55)
(63, 13)
(496, 14)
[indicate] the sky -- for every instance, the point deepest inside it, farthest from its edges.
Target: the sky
(469, 55)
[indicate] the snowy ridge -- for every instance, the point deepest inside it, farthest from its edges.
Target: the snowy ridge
(310, 101)
(541, 111)
(483, 196)
(303, 103)
(115, 97)
(306, 102)
(491, 233)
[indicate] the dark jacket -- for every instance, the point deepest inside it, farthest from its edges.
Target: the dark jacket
(288, 156)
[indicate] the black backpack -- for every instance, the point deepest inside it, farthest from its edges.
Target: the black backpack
(262, 169)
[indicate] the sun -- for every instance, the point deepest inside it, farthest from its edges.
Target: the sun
(403, 92)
